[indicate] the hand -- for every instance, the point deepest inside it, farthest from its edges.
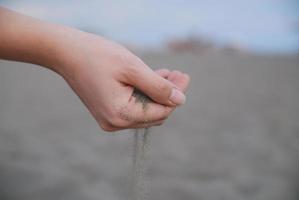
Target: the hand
(104, 74)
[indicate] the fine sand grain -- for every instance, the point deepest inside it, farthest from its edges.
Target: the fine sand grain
(140, 184)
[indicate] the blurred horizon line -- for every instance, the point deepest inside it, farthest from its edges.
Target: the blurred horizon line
(262, 26)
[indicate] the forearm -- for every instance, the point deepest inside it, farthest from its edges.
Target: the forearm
(26, 39)
(103, 74)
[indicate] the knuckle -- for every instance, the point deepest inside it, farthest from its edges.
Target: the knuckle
(162, 87)
(130, 72)
(127, 58)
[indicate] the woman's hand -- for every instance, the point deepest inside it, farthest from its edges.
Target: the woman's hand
(104, 74)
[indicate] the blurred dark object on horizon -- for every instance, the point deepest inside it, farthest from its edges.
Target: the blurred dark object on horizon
(196, 44)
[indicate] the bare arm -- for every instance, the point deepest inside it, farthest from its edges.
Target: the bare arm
(102, 73)
(23, 38)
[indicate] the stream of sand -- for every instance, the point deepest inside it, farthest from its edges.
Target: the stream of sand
(140, 185)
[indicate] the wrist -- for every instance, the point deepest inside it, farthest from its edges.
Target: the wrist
(57, 49)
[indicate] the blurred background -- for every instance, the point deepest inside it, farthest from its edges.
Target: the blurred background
(236, 138)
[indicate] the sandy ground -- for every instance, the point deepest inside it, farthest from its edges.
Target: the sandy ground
(237, 138)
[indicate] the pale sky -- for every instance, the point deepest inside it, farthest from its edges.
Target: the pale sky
(260, 25)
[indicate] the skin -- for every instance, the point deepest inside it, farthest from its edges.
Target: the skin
(101, 72)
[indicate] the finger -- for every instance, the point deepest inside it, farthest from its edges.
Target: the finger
(135, 112)
(147, 125)
(106, 126)
(112, 128)
(179, 79)
(156, 87)
(138, 113)
(163, 72)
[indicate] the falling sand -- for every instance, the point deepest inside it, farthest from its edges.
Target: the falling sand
(140, 186)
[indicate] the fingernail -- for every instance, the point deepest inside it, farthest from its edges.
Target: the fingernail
(177, 97)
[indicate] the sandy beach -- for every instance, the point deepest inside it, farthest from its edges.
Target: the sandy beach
(236, 138)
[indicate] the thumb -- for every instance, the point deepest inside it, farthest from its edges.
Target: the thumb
(156, 87)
